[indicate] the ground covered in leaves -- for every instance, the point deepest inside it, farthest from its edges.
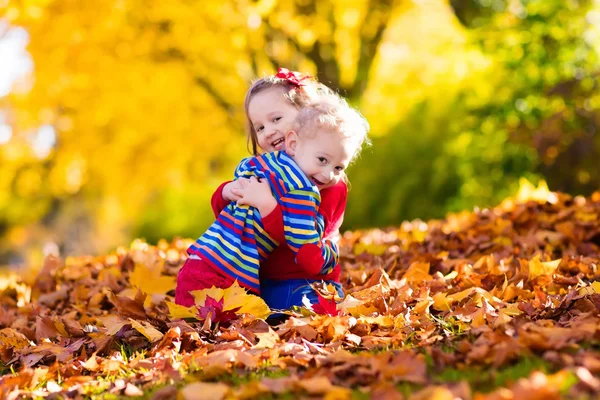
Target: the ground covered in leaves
(499, 303)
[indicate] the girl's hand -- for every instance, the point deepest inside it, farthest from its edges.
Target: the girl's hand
(257, 194)
(229, 189)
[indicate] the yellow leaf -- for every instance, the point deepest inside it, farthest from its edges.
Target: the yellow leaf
(338, 393)
(478, 318)
(593, 288)
(417, 272)
(150, 280)
(512, 309)
(9, 338)
(538, 268)
(177, 311)
(384, 321)
(372, 248)
(527, 191)
(146, 329)
(234, 297)
(441, 302)
(433, 393)
(114, 271)
(357, 307)
(214, 292)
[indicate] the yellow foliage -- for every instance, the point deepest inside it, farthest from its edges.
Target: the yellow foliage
(143, 107)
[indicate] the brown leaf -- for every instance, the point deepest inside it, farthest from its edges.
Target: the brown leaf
(45, 328)
(204, 391)
(316, 385)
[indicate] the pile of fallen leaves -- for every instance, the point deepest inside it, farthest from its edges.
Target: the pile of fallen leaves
(438, 310)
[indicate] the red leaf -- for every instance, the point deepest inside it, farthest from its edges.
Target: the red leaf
(214, 308)
(325, 307)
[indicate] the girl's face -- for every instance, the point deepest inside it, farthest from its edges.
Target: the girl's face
(272, 116)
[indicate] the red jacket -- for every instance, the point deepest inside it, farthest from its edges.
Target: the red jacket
(280, 264)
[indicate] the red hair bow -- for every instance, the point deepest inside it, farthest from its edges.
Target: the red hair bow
(293, 77)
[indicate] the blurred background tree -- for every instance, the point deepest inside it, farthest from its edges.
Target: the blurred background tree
(140, 107)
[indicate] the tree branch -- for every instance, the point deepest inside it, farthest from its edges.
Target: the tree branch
(369, 46)
(220, 100)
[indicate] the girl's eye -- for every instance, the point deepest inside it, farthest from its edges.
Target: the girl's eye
(260, 128)
(276, 119)
(322, 160)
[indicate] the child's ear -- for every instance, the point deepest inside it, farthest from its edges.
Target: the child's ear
(291, 141)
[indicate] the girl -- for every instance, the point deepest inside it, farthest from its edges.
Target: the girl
(283, 282)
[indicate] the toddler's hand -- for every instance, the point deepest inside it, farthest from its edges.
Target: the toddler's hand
(229, 190)
(257, 194)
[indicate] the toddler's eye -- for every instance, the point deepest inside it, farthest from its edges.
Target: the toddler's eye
(276, 119)
(322, 160)
(339, 169)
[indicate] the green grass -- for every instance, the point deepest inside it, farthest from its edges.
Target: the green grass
(240, 376)
(6, 369)
(487, 379)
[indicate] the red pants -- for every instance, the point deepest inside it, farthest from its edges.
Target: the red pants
(197, 274)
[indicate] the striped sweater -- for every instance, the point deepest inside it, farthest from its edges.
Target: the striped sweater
(236, 243)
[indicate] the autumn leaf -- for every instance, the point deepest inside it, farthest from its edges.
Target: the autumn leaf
(591, 289)
(179, 311)
(538, 268)
(204, 391)
(213, 309)
(417, 272)
(356, 307)
(150, 280)
(324, 306)
(11, 338)
(146, 329)
(234, 297)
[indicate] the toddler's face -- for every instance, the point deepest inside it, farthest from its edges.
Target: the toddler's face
(272, 116)
(323, 156)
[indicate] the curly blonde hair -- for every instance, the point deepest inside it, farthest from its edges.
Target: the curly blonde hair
(332, 113)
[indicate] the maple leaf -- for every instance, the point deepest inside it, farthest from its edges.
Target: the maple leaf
(323, 307)
(236, 298)
(150, 280)
(213, 309)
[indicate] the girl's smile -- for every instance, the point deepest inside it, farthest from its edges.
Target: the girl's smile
(279, 144)
(271, 115)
